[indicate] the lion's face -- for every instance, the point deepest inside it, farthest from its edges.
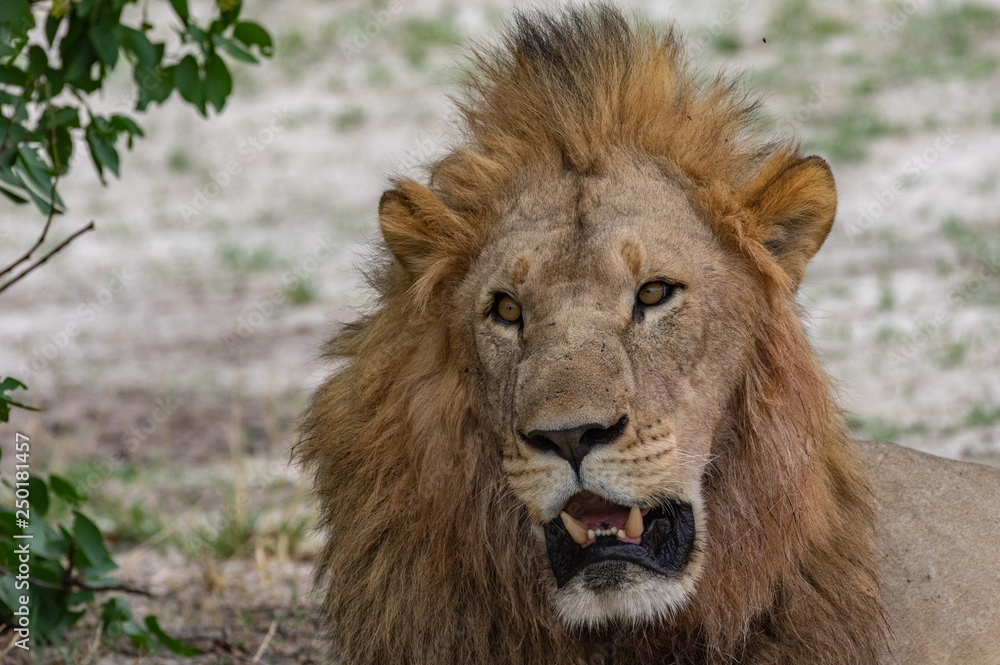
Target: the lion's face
(611, 328)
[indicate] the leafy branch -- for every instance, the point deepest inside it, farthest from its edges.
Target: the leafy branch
(54, 55)
(69, 566)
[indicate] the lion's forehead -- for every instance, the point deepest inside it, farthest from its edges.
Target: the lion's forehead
(599, 229)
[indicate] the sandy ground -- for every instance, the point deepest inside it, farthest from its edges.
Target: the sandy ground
(226, 253)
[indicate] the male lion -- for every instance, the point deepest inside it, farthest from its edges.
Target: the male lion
(583, 423)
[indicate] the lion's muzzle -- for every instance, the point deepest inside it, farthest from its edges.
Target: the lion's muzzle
(592, 530)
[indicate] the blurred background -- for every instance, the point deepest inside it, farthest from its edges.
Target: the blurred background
(173, 349)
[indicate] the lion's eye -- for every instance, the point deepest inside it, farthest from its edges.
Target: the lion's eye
(653, 293)
(506, 308)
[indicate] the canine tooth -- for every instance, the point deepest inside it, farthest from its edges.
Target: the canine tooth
(577, 531)
(590, 534)
(633, 527)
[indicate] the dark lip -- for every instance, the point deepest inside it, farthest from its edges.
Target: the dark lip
(667, 541)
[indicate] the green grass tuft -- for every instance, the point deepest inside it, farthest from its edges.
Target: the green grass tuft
(983, 416)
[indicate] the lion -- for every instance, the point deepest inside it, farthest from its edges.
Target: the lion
(582, 421)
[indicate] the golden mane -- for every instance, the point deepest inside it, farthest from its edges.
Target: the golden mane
(425, 559)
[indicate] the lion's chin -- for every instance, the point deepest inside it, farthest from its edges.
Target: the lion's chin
(620, 592)
(621, 563)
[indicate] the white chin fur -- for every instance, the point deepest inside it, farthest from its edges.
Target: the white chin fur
(648, 598)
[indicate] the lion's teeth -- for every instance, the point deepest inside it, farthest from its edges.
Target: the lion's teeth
(577, 531)
(590, 534)
(633, 527)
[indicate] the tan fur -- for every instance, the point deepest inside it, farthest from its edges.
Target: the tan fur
(939, 541)
(593, 161)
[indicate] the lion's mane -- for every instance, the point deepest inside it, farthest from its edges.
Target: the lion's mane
(428, 557)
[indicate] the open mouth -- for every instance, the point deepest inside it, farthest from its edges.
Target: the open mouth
(593, 530)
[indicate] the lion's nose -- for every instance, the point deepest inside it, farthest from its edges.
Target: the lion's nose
(574, 443)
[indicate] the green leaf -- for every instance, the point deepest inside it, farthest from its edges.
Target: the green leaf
(218, 82)
(15, 133)
(65, 490)
(48, 543)
(38, 495)
(37, 179)
(233, 49)
(125, 124)
(197, 34)
(52, 26)
(181, 7)
(140, 638)
(11, 75)
(13, 188)
(38, 61)
(37, 169)
(128, 126)
(78, 56)
(229, 11)
(176, 646)
(102, 152)
(59, 116)
(103, 41)
(10, 383)
(12, 191)
(91, 543)
(115, 611)
(60, 149)
(8, 595)
(54, 82)
(189, 82)
(17, 15)
(138, 45)
(252, 34)
(154, 86)
(104, 126)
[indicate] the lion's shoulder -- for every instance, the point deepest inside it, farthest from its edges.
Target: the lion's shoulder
(939, 541)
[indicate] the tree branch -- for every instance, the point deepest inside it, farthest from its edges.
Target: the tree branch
(13, 280)
(41, 238)
(72, 582)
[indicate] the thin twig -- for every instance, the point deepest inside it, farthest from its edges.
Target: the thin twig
(88, 227)
(52, 194)
(267, 640)
(41, 238)
(10, 123)
(9, 645)
(74, 583)
(115, 587)
(95, 645)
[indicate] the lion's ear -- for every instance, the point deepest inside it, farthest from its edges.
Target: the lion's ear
(795, 211)
(419, 228)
